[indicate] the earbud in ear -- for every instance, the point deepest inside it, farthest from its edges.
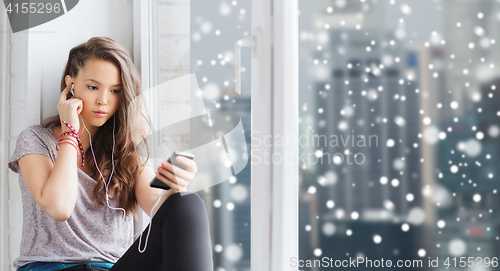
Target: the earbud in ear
(72, 91)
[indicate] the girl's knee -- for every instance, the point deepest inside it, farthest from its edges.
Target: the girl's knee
(184, 198)
(190, 206)
(194, 199)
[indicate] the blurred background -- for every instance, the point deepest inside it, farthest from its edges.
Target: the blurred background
(413, 85)
(399, 125)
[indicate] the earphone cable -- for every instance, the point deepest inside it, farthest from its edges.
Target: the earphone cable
(112, 163)
(107, 184)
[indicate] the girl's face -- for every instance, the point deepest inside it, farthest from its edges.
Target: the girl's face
(98, 85)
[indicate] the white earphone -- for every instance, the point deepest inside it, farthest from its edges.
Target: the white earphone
(72, 91)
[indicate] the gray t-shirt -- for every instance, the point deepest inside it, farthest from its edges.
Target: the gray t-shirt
(90, 232)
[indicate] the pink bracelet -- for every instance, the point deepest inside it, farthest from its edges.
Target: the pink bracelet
(68, 137)
(70, 134)
(70, 142)
(74, 134)
(73, 141)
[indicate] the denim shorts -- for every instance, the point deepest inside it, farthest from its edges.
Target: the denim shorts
(85, 267)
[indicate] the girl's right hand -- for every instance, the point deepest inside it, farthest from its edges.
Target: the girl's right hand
(69, 109)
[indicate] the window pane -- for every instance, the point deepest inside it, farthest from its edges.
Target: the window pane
(400, 112)
(198, 37)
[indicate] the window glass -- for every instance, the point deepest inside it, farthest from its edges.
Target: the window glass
(197, 38)
(399, 125)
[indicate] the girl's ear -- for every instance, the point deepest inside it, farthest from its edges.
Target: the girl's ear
(68, 80)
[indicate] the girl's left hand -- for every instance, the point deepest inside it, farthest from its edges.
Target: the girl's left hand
(176, 177)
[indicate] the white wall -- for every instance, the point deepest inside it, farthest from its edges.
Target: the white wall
(31, 85)
(5, 45)
(111, 18)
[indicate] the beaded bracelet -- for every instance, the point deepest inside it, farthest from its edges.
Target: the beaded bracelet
(71, 127)
(77, 137)
(70, 142)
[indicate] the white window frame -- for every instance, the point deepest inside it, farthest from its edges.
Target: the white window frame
(141, 53)
(274, 233)
(5, 48)
(274, 209)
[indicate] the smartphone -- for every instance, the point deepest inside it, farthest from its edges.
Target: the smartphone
(159, 184)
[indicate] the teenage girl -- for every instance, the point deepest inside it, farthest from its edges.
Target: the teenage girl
(81, 179)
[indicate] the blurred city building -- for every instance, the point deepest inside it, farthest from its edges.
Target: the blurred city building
(370, 178)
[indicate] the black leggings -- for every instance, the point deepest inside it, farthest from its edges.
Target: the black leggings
(179, 239)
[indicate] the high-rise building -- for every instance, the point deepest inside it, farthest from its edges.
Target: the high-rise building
(368, 114)
(367, 132)
(369, 109)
